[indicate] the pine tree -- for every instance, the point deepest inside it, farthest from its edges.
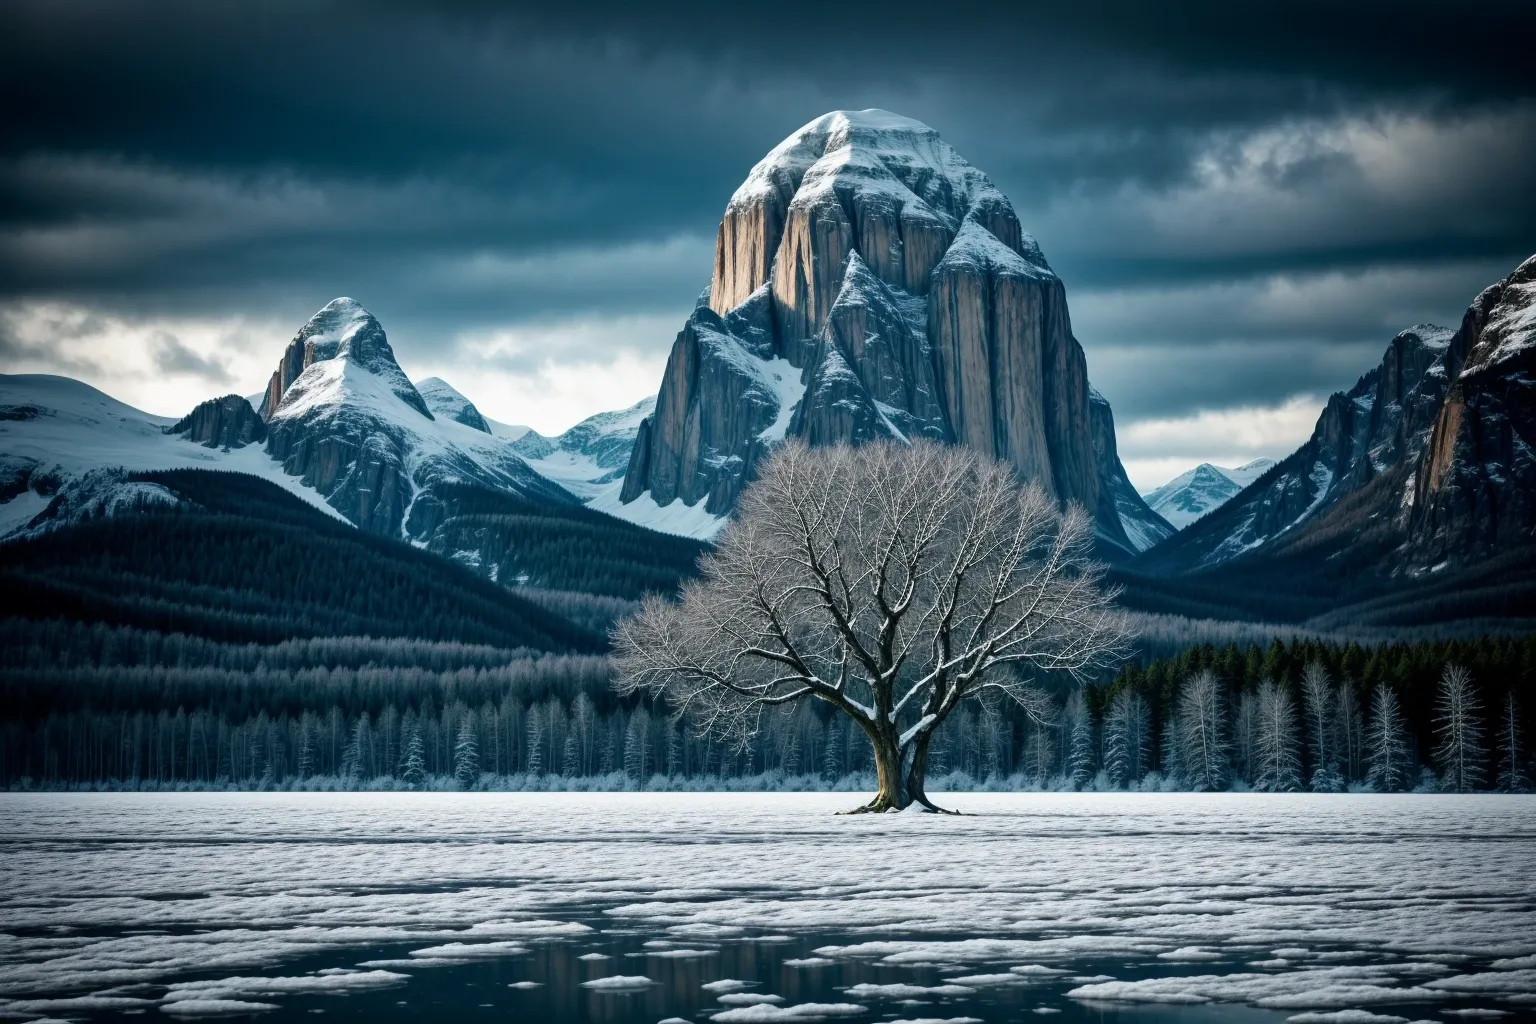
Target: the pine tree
(306, 764)
(535, 741)
(1277, 768)
(413, 763)
(1321, 706)
(1512, 777)
(1125, 739)
(637, 746)
(1389, 767)
(1245, 731)
(466, 753)
(832, 753)
(1350, 731)
(1081, 765)
(1458, 723)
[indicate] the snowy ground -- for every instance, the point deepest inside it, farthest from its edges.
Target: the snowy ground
(1389, 907)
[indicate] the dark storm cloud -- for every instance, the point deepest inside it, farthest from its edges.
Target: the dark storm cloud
(462, 166)
(171, 355)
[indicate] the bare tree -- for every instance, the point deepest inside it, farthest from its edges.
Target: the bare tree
(1390, 768)
(1458, 721)
(1320, 702)
(1202, 733)
(1277, 768)
(1512, 777)
(892, 582)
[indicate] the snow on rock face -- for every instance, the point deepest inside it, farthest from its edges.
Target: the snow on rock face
(1203, 489)
(351, 425)
(895, 279)
(99, 494)
(1374, 431)
(589, 456)
(342, 329)
(55, 431)
(444, 401)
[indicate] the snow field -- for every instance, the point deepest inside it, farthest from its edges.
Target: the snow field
(1317, 905)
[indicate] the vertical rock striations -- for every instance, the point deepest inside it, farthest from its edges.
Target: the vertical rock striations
(1474, 491)
(1427, 462)
(227, 422)
(1144, 527)
(868, 282)
(352, 426)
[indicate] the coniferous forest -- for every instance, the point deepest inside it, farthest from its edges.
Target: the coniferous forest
(241, 638)
(88, 706)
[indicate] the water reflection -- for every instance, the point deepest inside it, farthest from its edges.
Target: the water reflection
(548, 984)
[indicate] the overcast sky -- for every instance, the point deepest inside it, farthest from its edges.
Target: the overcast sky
(1246, 201)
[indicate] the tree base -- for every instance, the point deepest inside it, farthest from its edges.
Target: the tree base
(882, 805)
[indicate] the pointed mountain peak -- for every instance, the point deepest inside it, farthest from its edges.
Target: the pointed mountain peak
(342, 329)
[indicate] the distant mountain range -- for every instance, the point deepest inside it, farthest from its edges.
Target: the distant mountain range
(1203, 489)
(868, 283)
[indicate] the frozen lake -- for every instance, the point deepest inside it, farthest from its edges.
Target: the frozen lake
(767, 907)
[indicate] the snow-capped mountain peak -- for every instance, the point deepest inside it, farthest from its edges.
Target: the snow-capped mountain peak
(871, 283)
(1203, 489)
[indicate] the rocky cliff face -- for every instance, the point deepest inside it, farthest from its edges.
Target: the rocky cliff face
(1376, 427)
(868, 282)
(1474, 489)
(227, 422)
(1430, 454)
(1144, 526)
(353, 427)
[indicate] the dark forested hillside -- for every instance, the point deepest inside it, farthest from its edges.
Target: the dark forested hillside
(1334, 579)
(561, 547)
(241, 560)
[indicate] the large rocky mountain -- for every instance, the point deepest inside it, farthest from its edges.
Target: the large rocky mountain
(1203, 489)
(343, 417)
(869, 282)
(1426, 463)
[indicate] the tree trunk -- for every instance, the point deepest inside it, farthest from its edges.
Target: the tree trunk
(917, 774)
(900, 774)
(890, 777)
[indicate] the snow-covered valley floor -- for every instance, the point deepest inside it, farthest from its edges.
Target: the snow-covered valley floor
(767, 907)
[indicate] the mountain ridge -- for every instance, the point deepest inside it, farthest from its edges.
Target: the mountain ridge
(1422, 466)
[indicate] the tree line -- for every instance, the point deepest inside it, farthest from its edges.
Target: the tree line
(1300, 716)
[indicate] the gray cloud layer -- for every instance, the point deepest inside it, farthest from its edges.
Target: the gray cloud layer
(1245, 200)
